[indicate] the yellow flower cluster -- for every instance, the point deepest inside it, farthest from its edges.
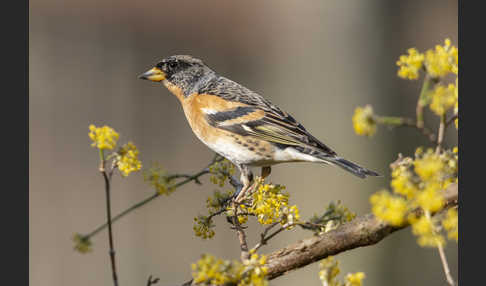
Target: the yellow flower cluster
(355, 279)
(127, 159)
(442, 61)
(389, 208)
(438, 62)
(210, 270)
(270, 204)
(203, 227)
(329, 270)
(242, 213)
(103, 137)
(220, 171)
(451, 225)
(158, 179)
(334, 215)
(443, 98)
(417, 183)
(255, 272)
(82, 244)
(410, 64)
(426, 230)
(364, 122)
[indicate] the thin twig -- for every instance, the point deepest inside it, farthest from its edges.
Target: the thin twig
(440, 247)
(141, 203)
(407, 122)
(450, 120)
(151, 281)
(266, 239)
(108, 214)
(240, 232)
(263, 238)
(441, 133)
(445, 265)
(422, 129)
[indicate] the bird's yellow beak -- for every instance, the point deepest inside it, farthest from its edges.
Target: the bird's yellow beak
(154, 74)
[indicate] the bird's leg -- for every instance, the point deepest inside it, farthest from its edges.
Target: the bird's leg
(266, 171)
(246, 178)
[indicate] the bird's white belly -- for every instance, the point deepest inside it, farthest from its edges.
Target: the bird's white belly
(239, 154)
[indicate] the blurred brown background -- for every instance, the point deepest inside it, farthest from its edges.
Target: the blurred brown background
(316, 59)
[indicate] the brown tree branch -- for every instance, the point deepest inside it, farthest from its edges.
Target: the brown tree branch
(362, 231)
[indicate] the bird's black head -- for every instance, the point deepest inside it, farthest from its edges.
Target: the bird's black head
(181, 70)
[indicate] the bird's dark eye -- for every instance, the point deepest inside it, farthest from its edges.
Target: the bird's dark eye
(172, 65)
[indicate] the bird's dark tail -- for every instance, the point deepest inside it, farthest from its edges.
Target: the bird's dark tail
(350, 167)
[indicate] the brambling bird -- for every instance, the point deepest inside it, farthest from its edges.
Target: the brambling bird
(240, 124)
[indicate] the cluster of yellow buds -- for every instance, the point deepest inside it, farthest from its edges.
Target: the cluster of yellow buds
(220, 172)
(364, 122)
(158, 179)
(127, 159)
(210, 270)
(82, 244)
(334, 215)
(444, 98)
(103, 137)
(203, 227)
(270, 204)
(438, 62)
(419, 183)
(329, 270)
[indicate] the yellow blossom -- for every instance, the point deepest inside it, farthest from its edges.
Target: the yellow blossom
(328, 271)
(103, 137)
(256, 269)
(270, 204)
(443, 99)
(355, 279)
(424, 228)
(215, 271)
(441, 61)
(410, 64)
(203, 227)
(157, 177)
(334, 215)
(450, 224)
(363, 121)
(82, 243)
(430, 198)
(389, 208)
(220, 172)
(428, 166)
(128, 159)
(402, 182)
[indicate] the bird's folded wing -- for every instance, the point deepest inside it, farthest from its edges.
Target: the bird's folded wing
(271, 124)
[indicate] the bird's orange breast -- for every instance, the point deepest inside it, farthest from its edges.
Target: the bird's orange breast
(194, 107)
